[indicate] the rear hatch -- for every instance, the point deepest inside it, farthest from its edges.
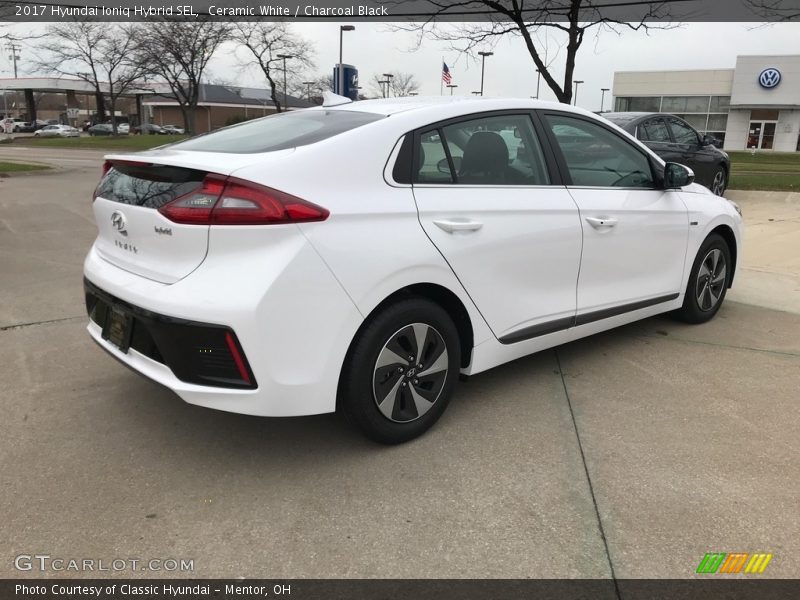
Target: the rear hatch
(133, 234)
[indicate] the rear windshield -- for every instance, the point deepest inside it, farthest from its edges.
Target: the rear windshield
(148, 186)
(279, 132)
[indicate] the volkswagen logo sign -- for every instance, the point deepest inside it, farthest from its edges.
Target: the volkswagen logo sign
(769, 78)
(118, 222)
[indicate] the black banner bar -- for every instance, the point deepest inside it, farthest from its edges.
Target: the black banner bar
(400, 10)
(709, 588)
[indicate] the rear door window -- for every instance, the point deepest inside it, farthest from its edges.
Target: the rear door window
(279, 132)
(654, 130)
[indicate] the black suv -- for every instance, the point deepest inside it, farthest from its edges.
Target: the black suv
(674, 140)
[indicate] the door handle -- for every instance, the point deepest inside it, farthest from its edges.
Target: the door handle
(453, 225)
(602, 222)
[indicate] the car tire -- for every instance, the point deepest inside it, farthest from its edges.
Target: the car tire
(720, 182)
(708, 281)
(380, 389)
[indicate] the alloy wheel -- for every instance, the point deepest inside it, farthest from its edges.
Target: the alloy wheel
(718, 185)
(711, 279)
(410, 373)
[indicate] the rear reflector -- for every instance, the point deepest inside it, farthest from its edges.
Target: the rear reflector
(232, 201)
(237, 357)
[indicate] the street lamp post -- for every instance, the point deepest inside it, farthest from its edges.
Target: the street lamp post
(342, 29)
(538, 82)
(483, 56)
(603, 98)
(285, 57)
(577, 82)
(452, 86)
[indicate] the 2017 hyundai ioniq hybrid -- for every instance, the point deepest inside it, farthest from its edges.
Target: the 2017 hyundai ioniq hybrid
(360, 256)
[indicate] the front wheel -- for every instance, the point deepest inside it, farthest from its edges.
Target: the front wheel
(720, 182)
(708, 281)
(400, 371)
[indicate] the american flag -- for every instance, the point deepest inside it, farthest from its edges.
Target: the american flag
(446, 77)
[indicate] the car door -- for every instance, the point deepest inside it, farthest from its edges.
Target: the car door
(512, 235)
(634, 234)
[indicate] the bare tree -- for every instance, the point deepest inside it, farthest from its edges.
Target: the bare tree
(401, 84)
(97, 53)
(571, 19)
(774, 10)
(177, 53)
(264, 43)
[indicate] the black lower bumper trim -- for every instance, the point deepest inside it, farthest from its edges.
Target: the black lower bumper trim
(199, 353)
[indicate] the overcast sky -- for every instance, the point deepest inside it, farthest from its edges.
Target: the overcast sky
(374, 48)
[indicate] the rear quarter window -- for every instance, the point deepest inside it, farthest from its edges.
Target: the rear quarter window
(279, 132)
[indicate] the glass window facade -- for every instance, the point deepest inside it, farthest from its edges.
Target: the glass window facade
(707, 114)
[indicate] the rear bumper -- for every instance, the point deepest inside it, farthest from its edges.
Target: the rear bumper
(203, 354)
(292, 320)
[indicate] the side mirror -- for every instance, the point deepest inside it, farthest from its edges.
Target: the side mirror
(677, 176)
(707, 141)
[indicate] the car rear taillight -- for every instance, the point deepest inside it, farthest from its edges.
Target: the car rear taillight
(234, 201)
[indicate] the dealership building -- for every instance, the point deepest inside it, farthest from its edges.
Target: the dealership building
(755, 105)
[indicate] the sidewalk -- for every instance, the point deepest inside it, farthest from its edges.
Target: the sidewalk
(769, 269)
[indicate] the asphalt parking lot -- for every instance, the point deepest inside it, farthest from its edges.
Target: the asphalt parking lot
(631, 453)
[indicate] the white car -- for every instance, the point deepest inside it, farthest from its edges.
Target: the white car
(173, 129)
(57, 131)
(361, 256)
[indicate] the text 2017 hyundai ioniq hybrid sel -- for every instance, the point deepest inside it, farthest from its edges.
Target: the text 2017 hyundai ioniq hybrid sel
(360, 256)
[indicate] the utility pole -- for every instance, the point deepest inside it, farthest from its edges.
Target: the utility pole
(308, 85)
(13, 50)
(388, 84)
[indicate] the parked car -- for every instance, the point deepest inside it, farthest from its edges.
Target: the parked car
(123, 128)
(11, 125)
(57, 131)
(106, 129)
(673, 139)
(174, 129)
(32, 126)
(149, 129)
(361, 256)
(100, 129)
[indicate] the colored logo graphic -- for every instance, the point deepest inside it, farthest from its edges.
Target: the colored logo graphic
(769, 78)
(734, 562)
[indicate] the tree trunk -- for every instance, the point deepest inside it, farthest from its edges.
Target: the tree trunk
(101, 106)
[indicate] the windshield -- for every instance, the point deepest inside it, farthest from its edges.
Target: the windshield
(279, 132)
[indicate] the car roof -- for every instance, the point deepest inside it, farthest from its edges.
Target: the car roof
(390, 106)
(628, 117)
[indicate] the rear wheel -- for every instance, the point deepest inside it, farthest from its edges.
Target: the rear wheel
(708, 281)
(401, 371)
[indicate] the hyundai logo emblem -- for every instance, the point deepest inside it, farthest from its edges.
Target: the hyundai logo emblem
(769, 78)
(118, 222)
